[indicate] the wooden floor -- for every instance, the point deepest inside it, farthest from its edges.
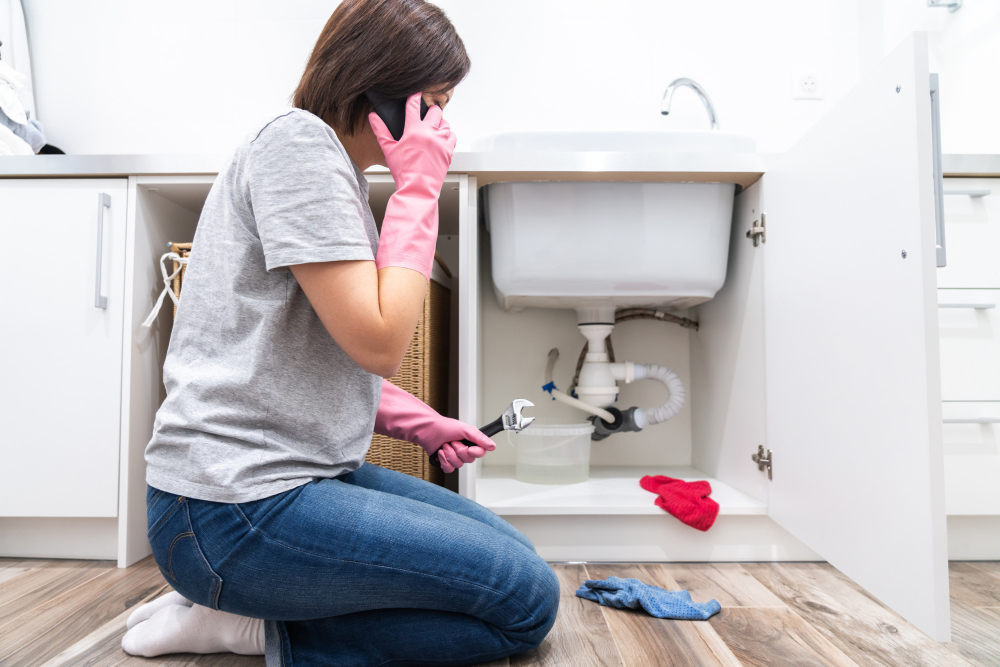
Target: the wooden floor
(73, 613)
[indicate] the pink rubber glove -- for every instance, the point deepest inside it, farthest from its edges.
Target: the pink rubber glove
(418, 163)
(403, 416)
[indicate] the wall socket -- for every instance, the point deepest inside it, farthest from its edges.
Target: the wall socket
(807, 85)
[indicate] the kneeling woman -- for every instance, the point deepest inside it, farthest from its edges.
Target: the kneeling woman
(276, 536)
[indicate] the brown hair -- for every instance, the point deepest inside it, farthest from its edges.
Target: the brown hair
(400, 47)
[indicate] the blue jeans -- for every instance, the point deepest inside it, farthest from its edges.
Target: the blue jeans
(370, 568)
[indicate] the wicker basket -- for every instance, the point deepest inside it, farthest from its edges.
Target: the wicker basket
(424, 373)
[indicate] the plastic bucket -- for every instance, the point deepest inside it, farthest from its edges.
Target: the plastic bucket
(553, 454)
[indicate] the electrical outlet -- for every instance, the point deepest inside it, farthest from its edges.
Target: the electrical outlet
(807, 85)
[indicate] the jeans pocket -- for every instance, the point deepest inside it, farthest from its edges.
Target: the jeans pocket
(160, 505)
(176, 551)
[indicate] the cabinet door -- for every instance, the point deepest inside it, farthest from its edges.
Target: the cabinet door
(60, 399)
(852, 373)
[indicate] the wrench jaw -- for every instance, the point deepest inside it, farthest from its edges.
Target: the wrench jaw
(513, 420)
(525, 423)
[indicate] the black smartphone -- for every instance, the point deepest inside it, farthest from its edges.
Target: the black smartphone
(392, 111)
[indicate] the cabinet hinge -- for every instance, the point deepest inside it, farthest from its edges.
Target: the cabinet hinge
(763, 459)
(758, 231)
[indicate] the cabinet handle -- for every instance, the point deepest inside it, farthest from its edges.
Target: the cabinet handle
(975, 194)
(977, 306)
(940, 250)
(103, 200)
(974, 420)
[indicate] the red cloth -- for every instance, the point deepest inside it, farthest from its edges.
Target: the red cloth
(688, 501)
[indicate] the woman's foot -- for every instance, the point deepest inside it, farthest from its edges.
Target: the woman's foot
(195, 629)
(150, 608)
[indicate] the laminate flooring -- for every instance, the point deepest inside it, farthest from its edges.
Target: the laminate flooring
(56, 613)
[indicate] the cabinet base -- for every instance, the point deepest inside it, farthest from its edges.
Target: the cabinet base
(57, 537)
(659, 539)
(974, 537)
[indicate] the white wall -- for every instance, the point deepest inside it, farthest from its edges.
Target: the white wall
(132, 76)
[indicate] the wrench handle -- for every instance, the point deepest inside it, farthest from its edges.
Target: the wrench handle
(490, 429)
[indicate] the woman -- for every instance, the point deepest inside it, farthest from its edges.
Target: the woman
(276, 536)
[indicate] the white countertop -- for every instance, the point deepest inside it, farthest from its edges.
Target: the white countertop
(971, 164)
(488, 167)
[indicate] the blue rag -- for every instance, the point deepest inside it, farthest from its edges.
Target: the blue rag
(659, 602)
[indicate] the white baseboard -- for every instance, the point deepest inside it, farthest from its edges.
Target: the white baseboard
(660, 539)
(973, 537)
(48, 537)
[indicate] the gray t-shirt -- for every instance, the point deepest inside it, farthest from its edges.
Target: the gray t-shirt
(260, 398)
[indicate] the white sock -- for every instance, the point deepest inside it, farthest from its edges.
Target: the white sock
(197, 629)
(150, 608)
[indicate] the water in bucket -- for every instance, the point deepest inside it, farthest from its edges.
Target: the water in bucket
(553, 453)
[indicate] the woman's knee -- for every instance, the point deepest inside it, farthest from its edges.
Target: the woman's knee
(538, 592)
(548, 604)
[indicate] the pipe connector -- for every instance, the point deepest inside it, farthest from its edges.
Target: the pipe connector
(550, 387)
(623, 372)
(624, 421)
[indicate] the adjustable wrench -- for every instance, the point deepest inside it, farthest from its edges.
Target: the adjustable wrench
(510, 420)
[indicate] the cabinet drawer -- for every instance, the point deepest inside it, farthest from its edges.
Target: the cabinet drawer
(972, 458)
(972, 234)
(970, 344)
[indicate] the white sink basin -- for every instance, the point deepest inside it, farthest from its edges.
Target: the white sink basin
(592, 244)
(626, 142)
(586, 244)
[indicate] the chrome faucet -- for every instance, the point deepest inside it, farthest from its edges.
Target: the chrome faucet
(668, 96)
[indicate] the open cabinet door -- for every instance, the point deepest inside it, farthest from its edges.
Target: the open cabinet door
(851, 352)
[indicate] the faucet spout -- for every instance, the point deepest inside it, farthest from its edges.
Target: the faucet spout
(668, 96)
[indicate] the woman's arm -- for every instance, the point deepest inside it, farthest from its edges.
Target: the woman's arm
(371, 308)
(370, 313)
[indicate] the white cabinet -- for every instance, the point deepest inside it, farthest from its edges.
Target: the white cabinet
(822, 346)
(969, 307)
(62, 305)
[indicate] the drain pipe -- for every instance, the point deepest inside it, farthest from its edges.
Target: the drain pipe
(550, 387)
(667, 377)
(635, 418)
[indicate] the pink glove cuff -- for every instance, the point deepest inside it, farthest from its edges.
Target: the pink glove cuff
(404, 241)
(405, 417)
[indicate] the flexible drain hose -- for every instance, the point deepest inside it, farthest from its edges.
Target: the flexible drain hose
(575, 402)
(673, 384)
